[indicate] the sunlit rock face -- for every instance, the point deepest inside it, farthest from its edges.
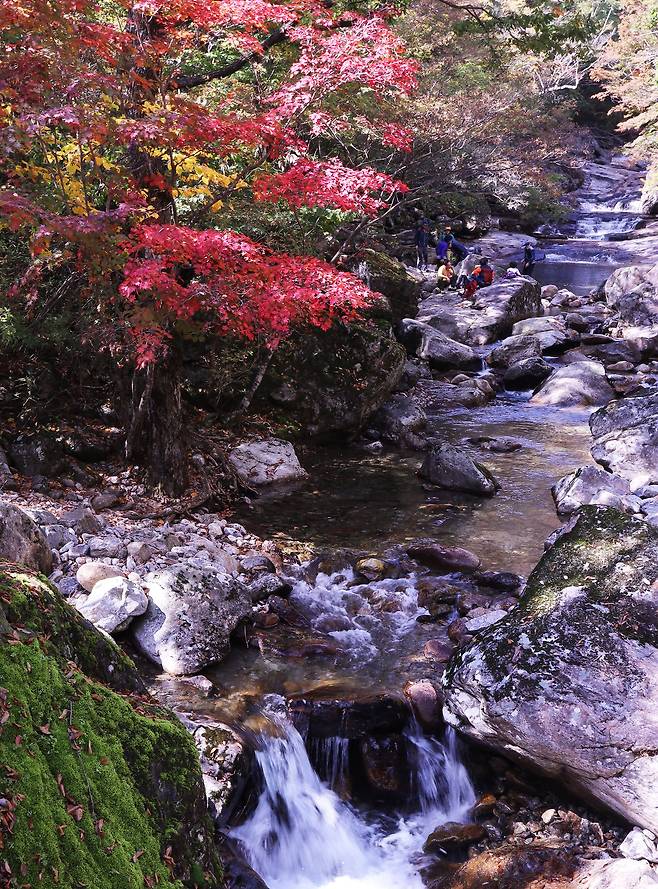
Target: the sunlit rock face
(568, 682)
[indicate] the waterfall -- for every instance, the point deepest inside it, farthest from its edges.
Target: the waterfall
(331, 757)
(303, 836)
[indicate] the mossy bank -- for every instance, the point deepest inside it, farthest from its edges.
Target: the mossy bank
(100, 788)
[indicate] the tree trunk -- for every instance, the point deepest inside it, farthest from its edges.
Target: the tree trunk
(154, 434)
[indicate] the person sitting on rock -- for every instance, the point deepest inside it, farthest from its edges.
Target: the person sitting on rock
(481, 276)
(529, 258)
(513, 271)
(446, 277)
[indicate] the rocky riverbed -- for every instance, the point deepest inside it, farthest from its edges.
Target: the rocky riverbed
(322, 661)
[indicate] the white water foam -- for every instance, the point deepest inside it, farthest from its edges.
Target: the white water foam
(302, 836)
(364, 618)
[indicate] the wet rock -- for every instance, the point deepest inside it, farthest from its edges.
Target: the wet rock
(201, 683)
(484, 806)
(325, 714)
(588, 486)
(584, 639)
(514, 349)
(457, 632)
(577, 385)
(268, 585)
(453, 836)
(22, 541)
(450, 468)
(89, 574)
(372, 569)
(401, 421)
(626, 438)
(190, 617)
(268, 461)
(482, 621)
(434, 555)
(113, 603)
(527, 374)
(438, 650)
(226, 763)
(432, 589)
(385, 765)
(439, 350)
(425, 702)
(499, 580)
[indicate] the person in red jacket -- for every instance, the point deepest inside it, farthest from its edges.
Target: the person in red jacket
(481, 276)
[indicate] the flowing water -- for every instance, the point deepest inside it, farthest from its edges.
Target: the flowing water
(303, 836)
(302, 833)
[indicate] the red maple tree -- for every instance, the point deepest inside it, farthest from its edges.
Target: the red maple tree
(127, 132)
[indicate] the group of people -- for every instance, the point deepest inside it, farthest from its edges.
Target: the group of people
(450, 251)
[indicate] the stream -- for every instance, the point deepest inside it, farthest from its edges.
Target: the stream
(302, 833)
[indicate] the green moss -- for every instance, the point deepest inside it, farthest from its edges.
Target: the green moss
(100, 784)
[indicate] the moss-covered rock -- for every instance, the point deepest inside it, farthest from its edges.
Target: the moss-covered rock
(327, 384)
(568, 682)
(101, 788)
(389, 276)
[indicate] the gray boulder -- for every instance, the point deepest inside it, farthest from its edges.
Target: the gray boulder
(22, 541)
(450, 468)
(191, 614)
(567, 683)
(550, 333)
(83, 519)
(492, 315)
(589, 486)
(514, 349)
(633, 293)
(38, 453)
(616, 874)
(582, 384)
(527, 374)
(436, 348)
(113, 603)
(626, 438)
(401, 421)
(267, 461)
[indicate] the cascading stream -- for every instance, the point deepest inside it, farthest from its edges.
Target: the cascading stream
(303, 836)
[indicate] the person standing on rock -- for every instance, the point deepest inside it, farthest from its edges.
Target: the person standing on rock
(421, 239)
(529, 258)
(456, 247)
(442, 248)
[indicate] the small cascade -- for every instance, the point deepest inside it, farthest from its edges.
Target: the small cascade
(602, 226)
(330, 756)
(303, 836)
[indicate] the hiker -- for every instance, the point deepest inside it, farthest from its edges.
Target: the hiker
(442, 248)
(481, 276)
(421, 239)
(446, 277)
(513, 271)
(529, 258)
(456, 247)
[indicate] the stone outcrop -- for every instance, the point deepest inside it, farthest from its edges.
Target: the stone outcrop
(592, 486)
(22, 541)
(567, 683)
(440, 351)
(582, 384)
(626, 438)
(265, 462)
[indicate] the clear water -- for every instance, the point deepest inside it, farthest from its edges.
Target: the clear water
(303, 836)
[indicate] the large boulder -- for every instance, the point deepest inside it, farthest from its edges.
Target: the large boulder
(190, 617)
(514, 349)
(452, 469)
(101, 786)
(22, 541)
(401, 421)
(589, 486)
(583, 384)
(567, 683)
(633, 293)
(527, 374)
(626, 438)
(326, 384)
(266, 461)
(389, 276)
(550, 333)
(113, 603)
(436, 348)
(37, 453)
(492, 315)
